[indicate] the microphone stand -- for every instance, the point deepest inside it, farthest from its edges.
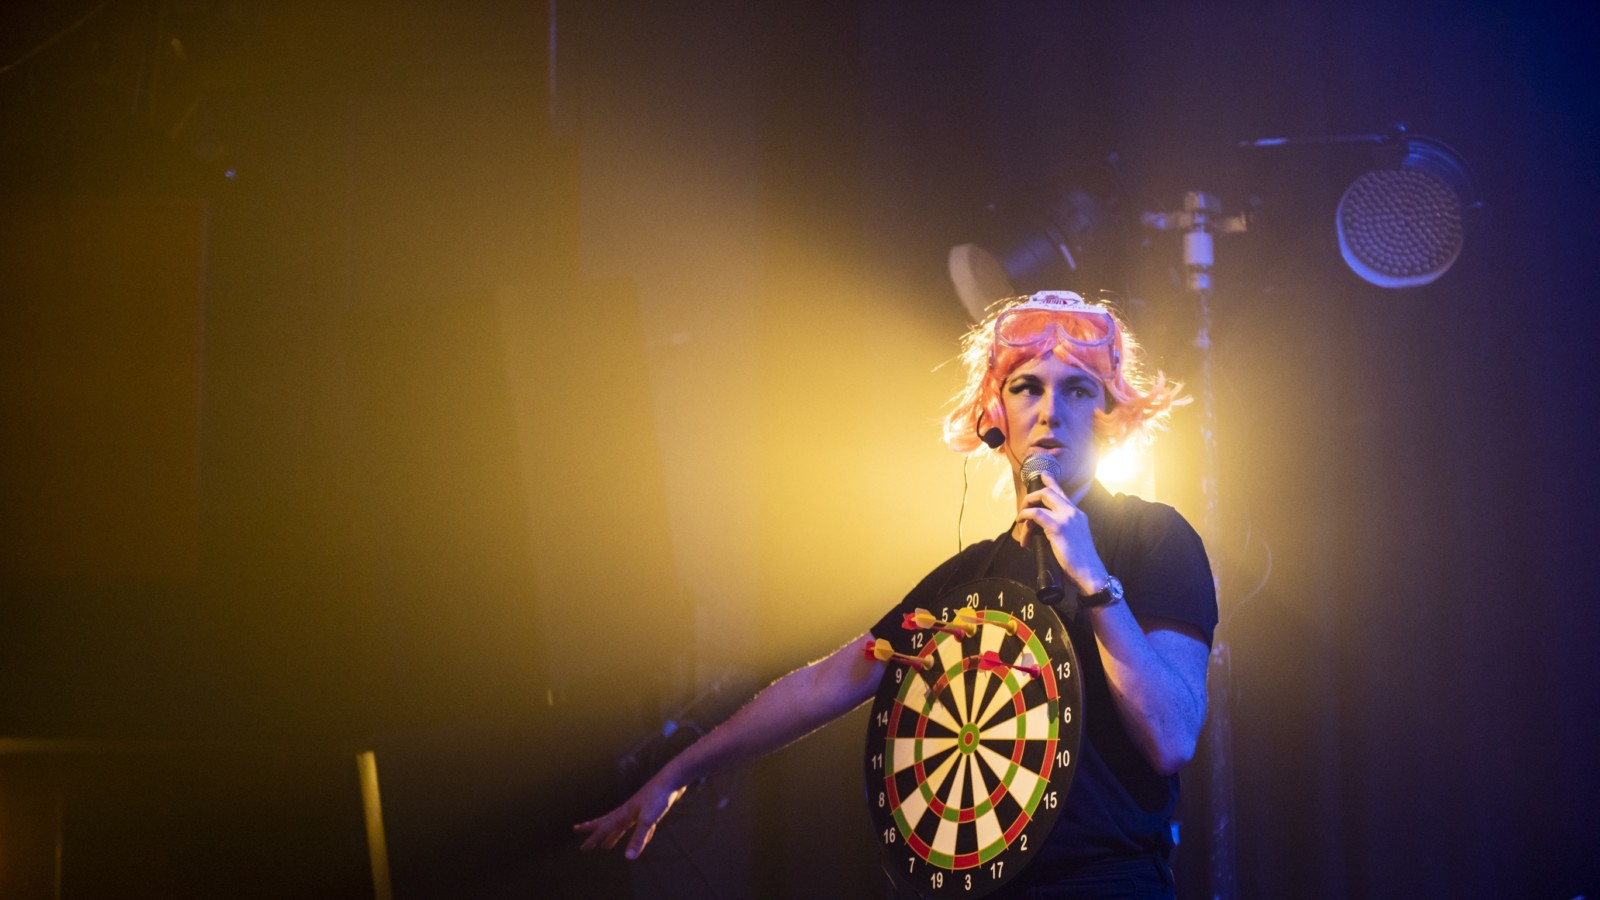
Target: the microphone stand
(1201, 220)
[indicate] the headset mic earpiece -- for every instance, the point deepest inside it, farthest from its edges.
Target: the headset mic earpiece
(993, 438)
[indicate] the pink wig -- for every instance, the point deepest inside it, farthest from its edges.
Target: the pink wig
(1138, 404)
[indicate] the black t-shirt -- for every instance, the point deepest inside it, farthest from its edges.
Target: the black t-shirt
(1118, 805)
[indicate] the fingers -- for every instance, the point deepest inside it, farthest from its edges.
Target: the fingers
(606, 831)
(1050, 496)
(641, 837)
(1053, 491)
(640, 813)
(593, 837)
(1054, 514)
(1049, 519)
(648, 820)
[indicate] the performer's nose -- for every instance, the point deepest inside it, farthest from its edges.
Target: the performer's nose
(1050, 413)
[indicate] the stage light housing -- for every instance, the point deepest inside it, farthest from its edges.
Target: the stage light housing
(1403, 223)
(1031, 247)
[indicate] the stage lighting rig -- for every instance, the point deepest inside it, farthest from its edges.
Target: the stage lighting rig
(1401, 223)
(1063, 238)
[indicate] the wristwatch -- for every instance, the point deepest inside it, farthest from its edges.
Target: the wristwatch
(1110, 594)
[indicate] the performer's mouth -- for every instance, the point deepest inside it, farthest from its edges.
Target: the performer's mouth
(1048, 444)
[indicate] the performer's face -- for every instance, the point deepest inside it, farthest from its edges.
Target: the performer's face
(1050, 407)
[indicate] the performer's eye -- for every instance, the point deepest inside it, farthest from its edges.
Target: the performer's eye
(1026, 386)
(1079, 390)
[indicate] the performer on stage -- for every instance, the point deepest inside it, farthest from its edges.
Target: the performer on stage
(1055, 376)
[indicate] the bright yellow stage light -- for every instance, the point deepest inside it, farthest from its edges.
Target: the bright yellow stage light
(1128, 469)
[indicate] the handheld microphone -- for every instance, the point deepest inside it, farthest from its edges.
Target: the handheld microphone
(1034, 469)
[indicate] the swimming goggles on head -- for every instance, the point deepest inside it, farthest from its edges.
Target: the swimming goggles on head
(1055, 317)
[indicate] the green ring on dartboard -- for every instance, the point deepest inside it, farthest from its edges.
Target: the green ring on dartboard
(968, 764)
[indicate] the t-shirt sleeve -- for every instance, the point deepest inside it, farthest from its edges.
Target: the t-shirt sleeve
(890, 627)
(1173, 578)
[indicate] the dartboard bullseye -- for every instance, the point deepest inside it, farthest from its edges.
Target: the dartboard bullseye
(973, 739)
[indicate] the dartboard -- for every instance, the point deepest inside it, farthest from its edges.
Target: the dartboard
(972, 741)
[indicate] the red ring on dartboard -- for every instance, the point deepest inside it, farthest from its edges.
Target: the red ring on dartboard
(968, 763)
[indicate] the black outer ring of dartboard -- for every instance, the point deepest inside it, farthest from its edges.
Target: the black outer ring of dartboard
(905, 866)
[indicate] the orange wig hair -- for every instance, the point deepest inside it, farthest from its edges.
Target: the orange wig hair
(1137, 405)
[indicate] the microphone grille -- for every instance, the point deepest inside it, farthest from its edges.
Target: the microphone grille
(1037, 465)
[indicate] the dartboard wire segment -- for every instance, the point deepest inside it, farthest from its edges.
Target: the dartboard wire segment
(969, 756)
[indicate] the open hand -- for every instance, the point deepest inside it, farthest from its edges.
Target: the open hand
(641, 812)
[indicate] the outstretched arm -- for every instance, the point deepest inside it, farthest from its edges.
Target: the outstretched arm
(788, 709)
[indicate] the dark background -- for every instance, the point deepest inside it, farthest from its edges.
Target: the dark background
(484, 382)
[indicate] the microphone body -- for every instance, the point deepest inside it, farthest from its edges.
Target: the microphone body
(1033, 471)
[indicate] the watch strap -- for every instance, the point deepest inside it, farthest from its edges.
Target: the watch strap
(1110, 594)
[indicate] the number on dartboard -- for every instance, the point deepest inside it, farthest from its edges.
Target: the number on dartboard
(972, 600)
(916, 640)
(877, 760)
(1027, 612)
(1063, 669)
(937, 879)
(1049, 635)
(899, 673)
(882, 718)
(996, 867)
(1063, 758)
(888, 835)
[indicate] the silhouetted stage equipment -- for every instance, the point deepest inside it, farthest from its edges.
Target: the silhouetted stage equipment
(92, 819)
(1064, 238)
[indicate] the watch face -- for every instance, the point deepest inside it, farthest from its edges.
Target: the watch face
(970, 754)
